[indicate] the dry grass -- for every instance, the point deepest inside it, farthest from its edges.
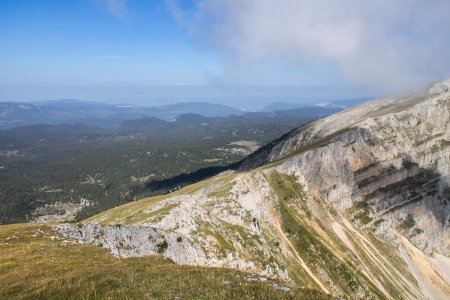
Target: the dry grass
(33, 266)
(132, 212)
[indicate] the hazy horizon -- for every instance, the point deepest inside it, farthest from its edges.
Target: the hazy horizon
(242, 54)
(239, 97)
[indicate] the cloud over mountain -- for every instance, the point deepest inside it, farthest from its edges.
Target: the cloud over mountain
(383, 43)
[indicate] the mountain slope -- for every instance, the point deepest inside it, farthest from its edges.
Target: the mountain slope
(355, 204)
(36, 264)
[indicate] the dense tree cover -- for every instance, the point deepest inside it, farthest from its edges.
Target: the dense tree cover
(45, 164)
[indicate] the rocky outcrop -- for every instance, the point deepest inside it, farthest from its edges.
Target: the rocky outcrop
(356, 204)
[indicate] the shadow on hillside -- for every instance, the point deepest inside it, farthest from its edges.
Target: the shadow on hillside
(254, 160)
(176, 182)
(158, 187)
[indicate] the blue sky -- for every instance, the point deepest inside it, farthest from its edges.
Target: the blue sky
(150, 51)
(80, 42)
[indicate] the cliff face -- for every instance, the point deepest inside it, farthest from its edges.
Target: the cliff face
(391, 156)
(356, 204)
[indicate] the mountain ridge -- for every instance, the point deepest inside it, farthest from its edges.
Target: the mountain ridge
(355, 204)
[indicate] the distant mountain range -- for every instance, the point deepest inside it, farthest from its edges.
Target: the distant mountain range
(343, 103)
(14, 114)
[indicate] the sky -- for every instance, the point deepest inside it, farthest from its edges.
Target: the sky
(241, 53)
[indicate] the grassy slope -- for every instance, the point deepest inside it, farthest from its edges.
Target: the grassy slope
(133, 212)
(33, 266)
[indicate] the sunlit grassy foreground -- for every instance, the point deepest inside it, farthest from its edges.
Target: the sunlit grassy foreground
(37, 264)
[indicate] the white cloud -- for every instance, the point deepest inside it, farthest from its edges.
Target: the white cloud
(118, 8)
(389, 44)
